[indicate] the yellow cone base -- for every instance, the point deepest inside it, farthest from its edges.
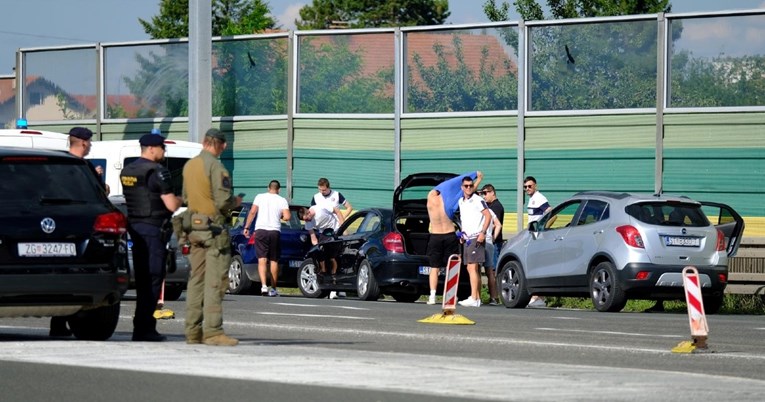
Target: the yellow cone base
(164, 314)
(697, 345)
(447, 317)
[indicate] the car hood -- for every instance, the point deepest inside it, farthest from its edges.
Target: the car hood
(411, 195)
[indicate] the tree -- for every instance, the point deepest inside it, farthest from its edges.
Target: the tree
(161, 85)
(229, 17)
(608, 65)
(326, 14)
(530, 10)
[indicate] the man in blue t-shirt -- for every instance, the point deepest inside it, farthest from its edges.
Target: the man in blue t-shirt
(443, 242)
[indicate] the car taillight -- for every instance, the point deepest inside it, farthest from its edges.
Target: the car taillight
(642, 275)
(720, 240)
(631, 236)
(393, 242)
(112, 222)
(722, 277)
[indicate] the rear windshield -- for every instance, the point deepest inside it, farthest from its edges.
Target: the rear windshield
(42, 181)
(668, 214)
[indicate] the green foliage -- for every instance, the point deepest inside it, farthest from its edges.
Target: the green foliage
(531, 10)
(325, 14)
(331, 80)
(721, 81)
(161, 84)
(251, 78)
(229, 17)
(458, 89)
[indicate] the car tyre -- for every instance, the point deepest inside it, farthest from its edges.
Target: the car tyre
(605, 290)
(238, 281)
(95, 325)
(511, 283)
(366, 284)
(713, 304)
(173, 292)
(308, 280)
(402, 297)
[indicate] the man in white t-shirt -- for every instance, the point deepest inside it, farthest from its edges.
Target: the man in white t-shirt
(317, 219)
(268, 210)
(536, 208)
(475, 219)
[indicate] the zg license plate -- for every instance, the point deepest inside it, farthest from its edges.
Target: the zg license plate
(295, 263)
(679, 241)
(46, 250)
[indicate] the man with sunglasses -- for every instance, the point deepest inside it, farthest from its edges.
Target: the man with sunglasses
(493, 244)
(150, 204)
(536, 208)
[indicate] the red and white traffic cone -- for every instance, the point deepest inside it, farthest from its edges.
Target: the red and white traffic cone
(696, 317)
(449, 304)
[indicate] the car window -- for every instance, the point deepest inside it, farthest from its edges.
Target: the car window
(370, 224)
(668, 213)
(560, 217)
(351, 226)
(593, 211)
(46, 182)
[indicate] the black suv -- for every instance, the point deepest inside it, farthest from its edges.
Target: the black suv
(62, 243)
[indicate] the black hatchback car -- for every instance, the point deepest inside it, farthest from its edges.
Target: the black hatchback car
(62, 243)
(380, 250)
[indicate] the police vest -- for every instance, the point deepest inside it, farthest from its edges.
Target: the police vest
(143, 204)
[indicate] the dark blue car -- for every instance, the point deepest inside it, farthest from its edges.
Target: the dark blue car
(243, 271)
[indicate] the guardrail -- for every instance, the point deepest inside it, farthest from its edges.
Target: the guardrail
(746, 271)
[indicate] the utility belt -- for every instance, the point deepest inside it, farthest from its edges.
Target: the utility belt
(202, 230)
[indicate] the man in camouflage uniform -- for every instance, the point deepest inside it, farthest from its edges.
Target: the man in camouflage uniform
(207, 190)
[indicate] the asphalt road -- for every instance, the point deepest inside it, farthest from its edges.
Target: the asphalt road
(293, 348)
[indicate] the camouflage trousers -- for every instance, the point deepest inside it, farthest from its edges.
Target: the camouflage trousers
(208, 280)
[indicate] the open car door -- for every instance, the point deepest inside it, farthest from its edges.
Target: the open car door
(727, 220)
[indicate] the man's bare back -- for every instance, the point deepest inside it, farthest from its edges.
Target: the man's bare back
(439, 222)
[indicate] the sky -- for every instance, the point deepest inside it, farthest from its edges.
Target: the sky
(46, 23)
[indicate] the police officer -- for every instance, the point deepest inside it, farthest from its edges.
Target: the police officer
(207, 190)
(150, 203)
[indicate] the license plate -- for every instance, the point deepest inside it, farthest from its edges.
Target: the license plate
(424, 270)
(679, 241)
(295, 264)
(46, 250)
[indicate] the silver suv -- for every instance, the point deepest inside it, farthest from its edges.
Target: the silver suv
(619, 246)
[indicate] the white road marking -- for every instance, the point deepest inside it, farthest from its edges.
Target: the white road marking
(323, 306)
(582, 331)
(345, 317)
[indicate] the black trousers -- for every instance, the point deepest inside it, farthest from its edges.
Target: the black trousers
(149, 255)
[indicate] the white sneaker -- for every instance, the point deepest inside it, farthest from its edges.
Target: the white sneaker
(538, 303)
(333, 295)
(470, 302)
(273, 293)
(264, 290)
(432, 299)
(341, 294)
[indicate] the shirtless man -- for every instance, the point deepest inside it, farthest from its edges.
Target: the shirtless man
(443, 242)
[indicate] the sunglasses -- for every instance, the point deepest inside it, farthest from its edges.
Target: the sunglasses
(467, 186)
(528, 186)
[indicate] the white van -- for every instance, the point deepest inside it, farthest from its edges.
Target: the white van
(114, 155)
(26, 138)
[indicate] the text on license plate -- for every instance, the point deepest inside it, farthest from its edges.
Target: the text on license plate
(46, 250)
(682, 241)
